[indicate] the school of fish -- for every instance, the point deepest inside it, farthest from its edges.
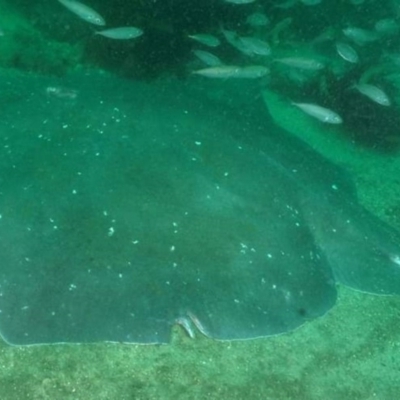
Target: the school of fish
(260, 55)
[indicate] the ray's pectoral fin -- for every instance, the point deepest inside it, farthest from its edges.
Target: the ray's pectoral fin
(364, 252)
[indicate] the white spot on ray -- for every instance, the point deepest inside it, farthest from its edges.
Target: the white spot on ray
(72, 287)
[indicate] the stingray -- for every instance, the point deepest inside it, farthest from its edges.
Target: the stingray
(127, 208)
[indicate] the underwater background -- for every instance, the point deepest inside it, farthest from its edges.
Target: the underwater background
(352, 352)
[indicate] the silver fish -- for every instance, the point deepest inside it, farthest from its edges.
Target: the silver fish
(230, 36)
(321, 113)
(257, 19)
(234, 40)
(222, 71)
(247, 45)
(374, 93)
(347, 52)
(387, 26)
(254, 46)
(360, 36)
(84, 12)
(207, 58)
(122, 33)
(309, 64)
(233, 71)
(206, 39)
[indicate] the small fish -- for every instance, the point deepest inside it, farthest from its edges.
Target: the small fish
(84, 12)
(347, 52)
(234, 40)
(321, 113)
(207, 58)
(206, 39)
(257, 19)
(374, 93)
(122, 33)
(233, 71)
(279, 28)
(387, 26)
(222, 71)
(360, 36)
(254, 46)
(309, 64)
(230, 36)
(247, 45)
